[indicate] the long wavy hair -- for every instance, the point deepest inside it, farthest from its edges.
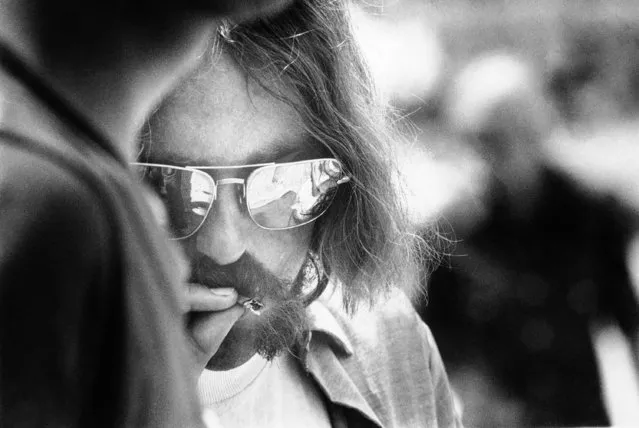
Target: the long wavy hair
(365, 239)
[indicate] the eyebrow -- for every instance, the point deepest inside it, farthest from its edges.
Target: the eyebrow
(302, 148)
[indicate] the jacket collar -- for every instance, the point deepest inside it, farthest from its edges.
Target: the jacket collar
(323, 321)
(327, 350)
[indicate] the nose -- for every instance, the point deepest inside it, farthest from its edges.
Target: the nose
(222, 236)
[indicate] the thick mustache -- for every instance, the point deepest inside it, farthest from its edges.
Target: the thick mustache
(247, 275)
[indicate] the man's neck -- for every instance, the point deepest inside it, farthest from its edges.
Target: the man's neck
(114, 90)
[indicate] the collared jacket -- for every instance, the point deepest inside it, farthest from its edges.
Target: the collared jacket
(378, 368)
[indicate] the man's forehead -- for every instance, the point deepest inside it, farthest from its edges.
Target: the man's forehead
(221, 117)
(218, 88)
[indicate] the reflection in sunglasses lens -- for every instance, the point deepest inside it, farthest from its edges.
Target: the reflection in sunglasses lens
(289, 195)
(186, 194)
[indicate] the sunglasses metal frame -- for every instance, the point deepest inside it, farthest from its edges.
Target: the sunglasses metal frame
(244, 183)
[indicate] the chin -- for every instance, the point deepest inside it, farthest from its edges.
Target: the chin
(280, 327)
(237, 348)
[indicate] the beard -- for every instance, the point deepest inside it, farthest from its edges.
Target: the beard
(283, 328)
(283, 325)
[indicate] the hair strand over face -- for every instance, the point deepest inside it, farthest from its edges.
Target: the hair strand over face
(365, 240)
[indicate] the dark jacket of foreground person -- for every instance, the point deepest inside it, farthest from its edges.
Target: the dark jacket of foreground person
(86, 287)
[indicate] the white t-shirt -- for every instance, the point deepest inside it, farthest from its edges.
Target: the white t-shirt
(263, 394)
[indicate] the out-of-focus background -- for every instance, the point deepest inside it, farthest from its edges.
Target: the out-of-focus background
(523, 151)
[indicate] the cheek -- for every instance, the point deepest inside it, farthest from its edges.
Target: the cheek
(282, 252)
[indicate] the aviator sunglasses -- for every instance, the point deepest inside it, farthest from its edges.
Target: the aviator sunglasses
(277, 196)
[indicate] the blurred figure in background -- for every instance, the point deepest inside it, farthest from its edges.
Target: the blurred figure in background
(539, 261)
(90, 322)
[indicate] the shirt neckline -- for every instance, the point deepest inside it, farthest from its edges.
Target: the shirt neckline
(217, 386)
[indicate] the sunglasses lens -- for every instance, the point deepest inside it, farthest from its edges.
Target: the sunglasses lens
(288, 195)
(187, 196)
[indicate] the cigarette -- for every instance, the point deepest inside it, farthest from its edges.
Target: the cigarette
(252, 305)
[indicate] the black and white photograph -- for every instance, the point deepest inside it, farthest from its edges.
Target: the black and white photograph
(319, 213)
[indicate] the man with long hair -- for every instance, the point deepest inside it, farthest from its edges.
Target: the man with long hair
(275, 163)
(90, 331)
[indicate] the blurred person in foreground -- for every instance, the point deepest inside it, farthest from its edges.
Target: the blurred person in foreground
(275, 165)
(90, 331)
(540, 262)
